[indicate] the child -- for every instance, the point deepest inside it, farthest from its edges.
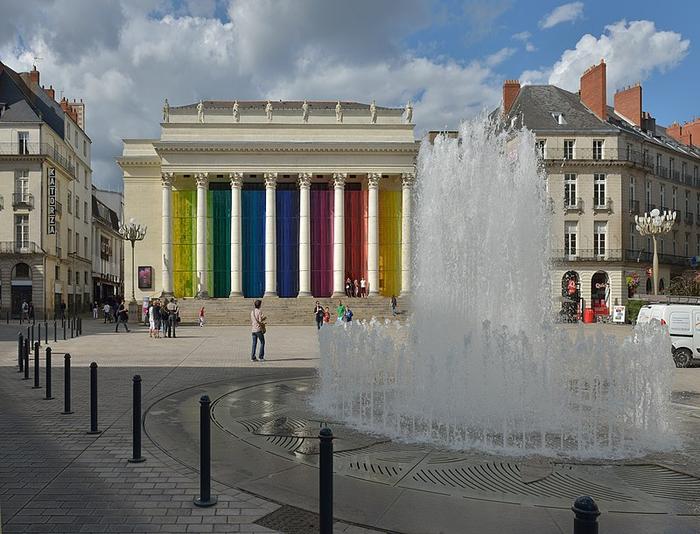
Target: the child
(327, 315)
(201, 317)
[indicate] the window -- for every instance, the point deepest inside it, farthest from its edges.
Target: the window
(570, 238)
(559, 117)
(695, 176)
(645, 156)
(22, 185)
(658, 163)
(687, 246)
(70, 241)
(75, 139)
(57, 272)
(70, 202)
(77, 206)
(647, 196)
(673, 197)
(86, 248)
(633, 229)
(77, 243)
(540, 145)
(661, 246)
(23, 142)
(569, 149)
(22, 231)
(671, 165)
(697, 245)
(569, 190)
(684, 171)
(70, 276)
(687, 201)
(77, 278)
(599, 231)
(662, 196)
(629, 152)
(85, 278)
(599, 190)
(598, 149)
(85, 149)
(85, 212)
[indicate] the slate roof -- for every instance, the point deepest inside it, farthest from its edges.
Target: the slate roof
(294, 105)
(24, 103)
(107, 215)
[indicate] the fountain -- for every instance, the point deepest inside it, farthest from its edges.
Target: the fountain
(481, 364)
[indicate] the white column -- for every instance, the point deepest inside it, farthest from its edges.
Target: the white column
(270, 235)
(339, 233)
(407, 180)
(304, 235)
(373, 232)
(166, 235)
(202, 179)
(236, 185)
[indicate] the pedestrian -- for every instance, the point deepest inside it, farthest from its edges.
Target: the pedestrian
(173, 316)
(107, 311)
(393, 305)
(318, 314)
(348, 287)
(164, 317)
(363, 287)
(31, 311)
(122, 317)
(25, 311)
(348, 315)
(156, 319)
(201, 317)
(95, 310)
(340, 310)
(258, 329)
(327, 315)
(63, 311)
(356, 289)
(152, 320)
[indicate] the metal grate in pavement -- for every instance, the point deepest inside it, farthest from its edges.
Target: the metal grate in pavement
(290, 520)
(661, 482)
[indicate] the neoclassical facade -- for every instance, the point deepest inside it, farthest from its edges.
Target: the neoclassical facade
(287, 199)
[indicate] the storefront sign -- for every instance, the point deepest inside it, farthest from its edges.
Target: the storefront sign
(51, 217)
(618, 314)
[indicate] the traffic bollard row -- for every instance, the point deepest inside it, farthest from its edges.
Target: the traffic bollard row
(66, 385)
(93, 399)
(205, 497)
(136, 428)
(54, 331)
(48, 374)
(36, 366)
(20, 352)
(325, 481)
(25, 354)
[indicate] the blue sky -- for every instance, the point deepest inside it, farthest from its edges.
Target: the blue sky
(450, 57)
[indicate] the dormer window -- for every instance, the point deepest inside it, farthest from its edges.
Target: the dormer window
(559, 117)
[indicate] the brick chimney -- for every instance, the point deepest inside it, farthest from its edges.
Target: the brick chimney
(688, 134)
(50, 91)
(675, 131)
(34, 75)
(593, 88)
(511, 90)
(628, 102)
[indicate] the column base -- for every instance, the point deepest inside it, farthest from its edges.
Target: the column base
(338, 294)
(167, 295)
(304, 294)
(235, 294)
(270, 294)
(202, 295)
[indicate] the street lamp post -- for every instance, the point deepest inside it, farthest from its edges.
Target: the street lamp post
(132, 232)
(653, 224)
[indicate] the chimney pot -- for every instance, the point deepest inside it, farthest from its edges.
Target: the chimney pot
(511, 90)
(628, 102)
(593, 89)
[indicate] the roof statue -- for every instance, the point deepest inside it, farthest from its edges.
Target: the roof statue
(305, 111)
(166, 111)
(268, 111)
(236, 114)
(338, 112)
(409, 112)
(373, 112)
(200, 112)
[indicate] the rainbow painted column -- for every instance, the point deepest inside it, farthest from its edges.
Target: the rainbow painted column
(184, 244)
(253, 240)
(287, 240)
(322, 218)
(355, 211)
(389, 242)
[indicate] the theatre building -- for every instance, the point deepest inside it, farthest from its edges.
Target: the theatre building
(285, 199)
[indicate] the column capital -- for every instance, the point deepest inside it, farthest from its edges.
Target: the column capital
(304, 180)
(407, 179)
(270, 180)
(373, 179)
(202, 179)
(166, 178)
(339, 179)
(236, 179)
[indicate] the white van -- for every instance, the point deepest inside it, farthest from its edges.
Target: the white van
(683, 323)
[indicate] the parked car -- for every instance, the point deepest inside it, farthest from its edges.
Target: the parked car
(683, 323)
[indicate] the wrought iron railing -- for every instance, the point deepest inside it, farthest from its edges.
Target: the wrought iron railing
(634, 207)
(588, 255)
(23, 200)
(38, 149)
(607, 155)
(577, 205)
(606, 205)
(19, 247)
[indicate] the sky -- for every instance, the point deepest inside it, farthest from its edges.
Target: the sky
(449, 57)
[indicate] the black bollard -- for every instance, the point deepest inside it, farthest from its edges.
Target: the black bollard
(32, 338)
(585, 515)
(48, 374)
(136, 440)
(36, 366)
(8, 317)
(66, 385)
(28, 333)
(38, 334)
(93, 399)
(46, 331)
(72, 321)
(26, 359)
(205, 497)
(20, 352)
(64, 330)
(325, 481)
(80, 325)
(54, 331)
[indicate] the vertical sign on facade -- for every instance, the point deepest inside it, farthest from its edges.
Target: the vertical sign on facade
(52, 202)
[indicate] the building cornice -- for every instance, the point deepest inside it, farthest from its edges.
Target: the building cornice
(286, 125)
(164, 147)
(140, 161)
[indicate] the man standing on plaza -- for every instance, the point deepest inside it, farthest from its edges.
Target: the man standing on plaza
(122, 317)
(173, 313)
(257, 322)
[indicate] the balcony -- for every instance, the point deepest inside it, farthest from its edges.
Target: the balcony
(676, 176)
(59, 208)
(689, 218)
(570, 207)
(19, 247)
(38, 149)
(608, 155)
(588, 255)
(605, 206)
(660, 171)
(23, 201)
(634, 207)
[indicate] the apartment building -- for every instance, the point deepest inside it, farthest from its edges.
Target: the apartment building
(108, 245)
(604, 165)
(45, 197)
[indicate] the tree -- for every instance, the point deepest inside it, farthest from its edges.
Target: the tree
(687, 284)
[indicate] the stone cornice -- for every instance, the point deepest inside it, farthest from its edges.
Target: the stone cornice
(281, 147)
(285, 125)
(126, 161)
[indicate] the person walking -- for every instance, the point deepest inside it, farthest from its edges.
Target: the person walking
(173, 312)
(107, 311)
(356, 288)
(31, 311)
(25, 311)
(258, 329)
(201, 317)
(152, 319)
(122, 317)
(393, 305)
(348, 315)
(327, 315)
(318, 314)
(348, 287)
(63, 311)
(164, 317)
(95, 310)
(363, 287)
(340, 310)
(156, 319)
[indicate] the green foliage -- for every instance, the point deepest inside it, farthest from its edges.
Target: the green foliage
(633, 307)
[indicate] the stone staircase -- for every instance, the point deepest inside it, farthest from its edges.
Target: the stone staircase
(283, 311)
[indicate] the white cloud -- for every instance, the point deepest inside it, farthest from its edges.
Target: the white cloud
(500, 56)
(632, 51)
(564, 13)
(524, 37)
(260, 48)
